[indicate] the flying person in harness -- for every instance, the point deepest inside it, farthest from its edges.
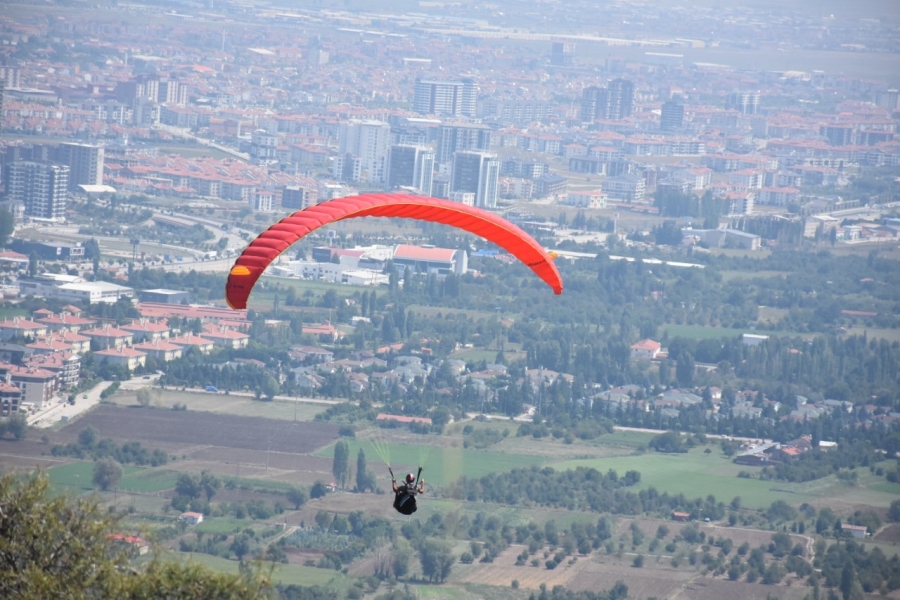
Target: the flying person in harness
(405, 493)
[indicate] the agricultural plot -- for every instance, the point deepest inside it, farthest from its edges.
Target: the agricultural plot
(147, 480)
(189, 429)
(286, 574)
(442, 465)
(239, 406)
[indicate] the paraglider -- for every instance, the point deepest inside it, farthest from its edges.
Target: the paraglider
(249, 266)
(405, 493)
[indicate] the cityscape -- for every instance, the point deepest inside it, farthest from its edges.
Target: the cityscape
(711, 407)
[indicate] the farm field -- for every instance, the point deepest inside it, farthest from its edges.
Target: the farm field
(240, 406)
(192, 429)
(286, 574)
(443, 465)
(891, 335)
(695, 474)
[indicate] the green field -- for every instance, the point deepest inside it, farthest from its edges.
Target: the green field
(705, 332)
(442, 465)
(148, 480)
(223, 525)
(78, 476)
(286, 574)
(696, 474)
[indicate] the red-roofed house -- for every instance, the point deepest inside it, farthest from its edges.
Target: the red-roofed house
(147, 331)
(645, 349)
(227, 338)
(108, 337)
(326, 332)
(160, 350)
(66, 365)
(431, 260)
(80, 343)
(190, 340)
(127, 357)
(19, 327)
(138, 545)
(38, 385)
(66, 322)
(10, 399)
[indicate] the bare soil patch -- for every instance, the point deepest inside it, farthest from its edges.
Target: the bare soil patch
(187, 430)
(602, 573)
(702, 588)
(891, 533)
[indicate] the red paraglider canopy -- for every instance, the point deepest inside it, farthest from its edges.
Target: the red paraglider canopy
(279, 237)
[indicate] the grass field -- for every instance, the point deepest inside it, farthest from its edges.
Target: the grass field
(240, 406)
(890, 335)
(696, 474)
(442, 465)
(732, 275)
(221, 525)
(286, 574)
(705, 332)
(148, 480)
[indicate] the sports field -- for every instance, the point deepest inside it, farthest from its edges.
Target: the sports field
(78, 477)
(705, 332)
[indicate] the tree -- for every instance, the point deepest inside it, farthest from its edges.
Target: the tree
(7, 226)
(270, 388)
(638, 561)
(318, 490)
(365, 479)
(38, 561)
(400, 558)
(144, 397)
(341, 465)
(894, 511)
(436, 558)
(17, 426)
(210, 484)
(32, 264)
(87, 437)
(296, 496)
(107, 473)
(188, 485)
(241, 545)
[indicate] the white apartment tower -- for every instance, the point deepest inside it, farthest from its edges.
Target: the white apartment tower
(85, 163)
(368, 142)
(40, 186)
(449, 98)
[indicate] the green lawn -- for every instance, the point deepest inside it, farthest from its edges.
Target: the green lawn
(79, 475)
(148, 480)
(222, 525)
(442, 465)
(286, 574)
(696, 474)
(705, 332)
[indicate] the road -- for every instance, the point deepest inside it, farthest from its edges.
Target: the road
(57, 411)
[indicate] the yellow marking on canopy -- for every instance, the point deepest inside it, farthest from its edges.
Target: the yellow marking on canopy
(240, 270)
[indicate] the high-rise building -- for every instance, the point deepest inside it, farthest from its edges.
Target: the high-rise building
(451, 98)
(562, 54)
(621, 99)
(594, 101)
(614, 102)
(672, 116)
(85, 162)
(40, 187)
(369, 142)
(459, 137)
(745, 102)
(410, 166)
(477, 173)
